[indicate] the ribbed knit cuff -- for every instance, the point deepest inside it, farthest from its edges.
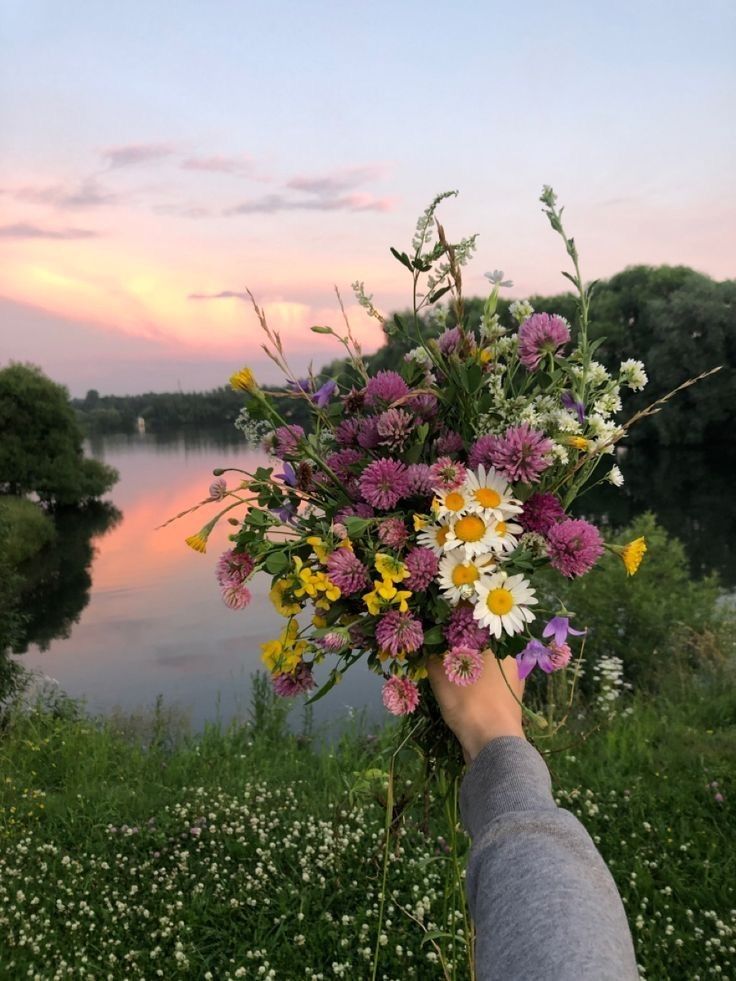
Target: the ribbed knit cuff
(507, 775)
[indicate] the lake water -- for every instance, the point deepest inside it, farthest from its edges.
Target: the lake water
(137, 613)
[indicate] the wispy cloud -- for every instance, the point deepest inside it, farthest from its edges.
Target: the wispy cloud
(271, 204)
(134, 154)
(87, 193)
(222, 295)
(329, 185)
(241, 165)
(27, 230)
(182, 210)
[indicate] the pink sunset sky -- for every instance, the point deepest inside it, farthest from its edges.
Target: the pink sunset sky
(158, 158)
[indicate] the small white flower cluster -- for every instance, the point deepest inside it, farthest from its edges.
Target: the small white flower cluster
(254, 430)
(521, 310)
(608, 676)
(632, 374)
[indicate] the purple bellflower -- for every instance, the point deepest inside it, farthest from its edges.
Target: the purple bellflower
(559, 628)
(534, 654)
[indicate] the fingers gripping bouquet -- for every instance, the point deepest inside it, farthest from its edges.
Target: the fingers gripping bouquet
(411, 519)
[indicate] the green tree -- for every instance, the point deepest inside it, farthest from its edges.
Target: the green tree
(41, 448)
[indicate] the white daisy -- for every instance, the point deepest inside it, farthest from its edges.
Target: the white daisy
(434, 536)
(459, 576)
(490, 494)
(505, 536)
(503, 604)
(451, 503)
(471, 533)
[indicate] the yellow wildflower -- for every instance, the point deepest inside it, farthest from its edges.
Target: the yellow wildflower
(244, 381)
(485, 355)
(285, 605)
(391, 568)
(579, 442)
(318, 621)
(417, 672)
(632, 554)
(420, 522)
(198, 542)
(373, 601)
(318, 547)
(283, 655)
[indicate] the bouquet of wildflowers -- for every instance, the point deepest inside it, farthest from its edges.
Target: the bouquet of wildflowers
(412, 517)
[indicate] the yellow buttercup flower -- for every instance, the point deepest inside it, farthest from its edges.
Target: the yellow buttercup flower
(632, 554)
(244, 381)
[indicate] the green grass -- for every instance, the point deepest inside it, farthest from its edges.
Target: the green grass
(252, 852)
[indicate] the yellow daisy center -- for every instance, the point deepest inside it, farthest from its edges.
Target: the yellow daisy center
(500, 601)
(471, 528)
(454, 501)
(500, 528)
(464, 575)
(487, 497)
(442, 535)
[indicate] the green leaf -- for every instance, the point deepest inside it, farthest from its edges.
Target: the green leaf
(402, 257)
(474, 378)
(433, 637)
(356, 526)
(276, 562)
(326, 687)
(257, 517)
(263, 473)
(433, 297)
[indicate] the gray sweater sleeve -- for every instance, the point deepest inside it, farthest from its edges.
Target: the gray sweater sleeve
(544, 904)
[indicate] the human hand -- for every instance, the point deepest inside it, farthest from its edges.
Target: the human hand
(484, 710)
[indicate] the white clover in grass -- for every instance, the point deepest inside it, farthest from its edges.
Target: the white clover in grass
(503, 604)
(459, 577)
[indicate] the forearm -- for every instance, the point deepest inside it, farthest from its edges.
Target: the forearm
(544, 903)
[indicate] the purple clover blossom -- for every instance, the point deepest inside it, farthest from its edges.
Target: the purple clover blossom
(535, 654)
(574, 546)
(323, 394)
(572, 405)
(522, 453)
(540, 335)
(385, 388)
(559, 628)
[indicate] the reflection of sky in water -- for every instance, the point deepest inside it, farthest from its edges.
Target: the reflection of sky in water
(155, 621)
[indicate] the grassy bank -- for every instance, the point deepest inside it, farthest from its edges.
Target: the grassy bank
(131, 852)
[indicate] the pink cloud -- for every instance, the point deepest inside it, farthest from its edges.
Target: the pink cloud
(25, 230)
(220, 164)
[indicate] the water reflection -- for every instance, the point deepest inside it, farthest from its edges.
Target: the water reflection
(60, 580)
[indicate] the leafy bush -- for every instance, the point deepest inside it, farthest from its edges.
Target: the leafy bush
(646, 619)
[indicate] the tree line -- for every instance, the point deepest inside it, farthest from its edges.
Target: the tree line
(677, 321)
